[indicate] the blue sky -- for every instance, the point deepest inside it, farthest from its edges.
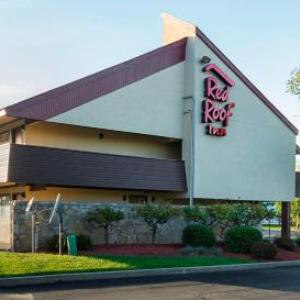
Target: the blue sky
(46, 43)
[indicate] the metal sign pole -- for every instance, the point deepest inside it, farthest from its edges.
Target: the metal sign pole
(60, 226)
(33, 232)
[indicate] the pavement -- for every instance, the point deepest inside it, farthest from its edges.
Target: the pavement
(278, 283)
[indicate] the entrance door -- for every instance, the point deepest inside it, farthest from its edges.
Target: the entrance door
(5, 221)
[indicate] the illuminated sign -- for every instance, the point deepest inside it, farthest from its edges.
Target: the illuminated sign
(215, 107)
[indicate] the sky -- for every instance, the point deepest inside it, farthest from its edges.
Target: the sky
(47, 43)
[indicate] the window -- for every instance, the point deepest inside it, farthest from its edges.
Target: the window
(4, 206)
(4, 138)
(138, 199)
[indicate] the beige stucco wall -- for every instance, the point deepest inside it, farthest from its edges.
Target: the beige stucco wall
(87, 139)
(150, 106)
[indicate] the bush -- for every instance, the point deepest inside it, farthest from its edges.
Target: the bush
(104, 218)
(195, 214)
(52, 243)
(198, 235)
(195, 251)
(264, 250)
(239, 239)
(285, 243)
(297, 240)
(83, 243)
(154, 215)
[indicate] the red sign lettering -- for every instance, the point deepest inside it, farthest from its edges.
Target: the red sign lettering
(214, 96)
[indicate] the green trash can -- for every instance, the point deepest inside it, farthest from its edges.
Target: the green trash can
(72, 245)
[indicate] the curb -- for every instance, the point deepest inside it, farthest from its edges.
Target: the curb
(88, 276)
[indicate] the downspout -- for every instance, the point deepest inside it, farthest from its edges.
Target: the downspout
(191, 152)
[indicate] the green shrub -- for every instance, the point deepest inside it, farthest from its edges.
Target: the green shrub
(297, 240)
(195, 214)
(196, 251)
(264, 250)
(239, 239)
(198, 235)
(154, 215)
(83, 243)
(52, 244)
(104, 218)
(285, 243)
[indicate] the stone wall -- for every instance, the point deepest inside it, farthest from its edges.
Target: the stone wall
(131, 230)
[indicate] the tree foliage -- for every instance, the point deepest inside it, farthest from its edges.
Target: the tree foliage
(226, 215)
(104, 218)
(293, 84)
(155, 214)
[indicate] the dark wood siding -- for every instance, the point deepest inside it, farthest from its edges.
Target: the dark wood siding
(58, 167)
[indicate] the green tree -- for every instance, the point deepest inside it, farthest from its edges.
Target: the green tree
(154, 215)
(295, 212)
(195, 214)
(293, 84)
(104, 218)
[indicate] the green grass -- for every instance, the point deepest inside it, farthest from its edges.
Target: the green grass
(277, 227)
(20, 264)
(272, 227)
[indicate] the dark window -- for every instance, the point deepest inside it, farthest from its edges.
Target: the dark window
(139, 199)
(4, 138)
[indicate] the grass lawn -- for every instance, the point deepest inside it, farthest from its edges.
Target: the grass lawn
(18, 264)
(277, 227)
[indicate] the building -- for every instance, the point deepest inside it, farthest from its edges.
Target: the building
(180, 123)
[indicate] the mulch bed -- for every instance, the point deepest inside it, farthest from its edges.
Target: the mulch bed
(174, 250)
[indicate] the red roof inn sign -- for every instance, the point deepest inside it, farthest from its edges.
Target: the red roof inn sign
(215, 107)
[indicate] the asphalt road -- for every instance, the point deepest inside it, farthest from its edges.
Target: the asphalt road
(279, 283)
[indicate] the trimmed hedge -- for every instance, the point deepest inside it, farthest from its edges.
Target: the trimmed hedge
(264, 250)
(196, 235)
(240, 239)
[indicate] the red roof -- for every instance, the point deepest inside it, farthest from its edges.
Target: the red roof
(71, 95)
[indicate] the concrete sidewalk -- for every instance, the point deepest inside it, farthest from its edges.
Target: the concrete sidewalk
(88, 276)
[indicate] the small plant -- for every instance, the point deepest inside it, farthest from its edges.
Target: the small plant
(285, 243)
(104, 218)
(198, 235)
(215, 251)
(52, 244)
(297, 240)
(83, 243)
(264, 250)
(154, 215)
(188, 251)
(196, 251)
(240, 239)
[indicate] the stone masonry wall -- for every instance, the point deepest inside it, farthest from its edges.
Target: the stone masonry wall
(131, 230)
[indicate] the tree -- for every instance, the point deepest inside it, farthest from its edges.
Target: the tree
(195, 214)
(295, 212)
(270, 215)
(154, 215)
(293, 84)
(104, 218)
